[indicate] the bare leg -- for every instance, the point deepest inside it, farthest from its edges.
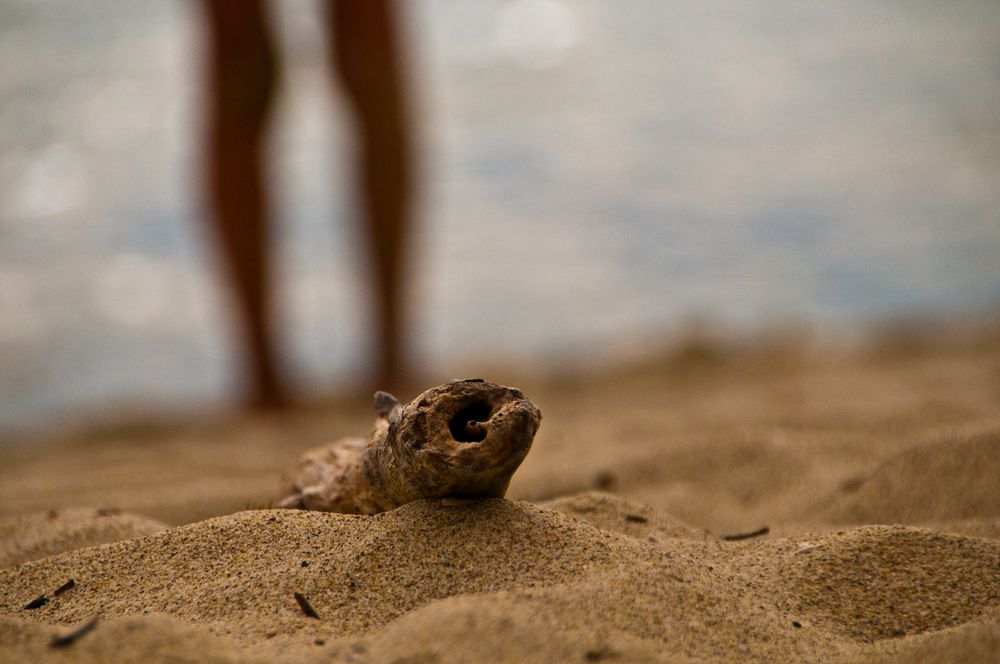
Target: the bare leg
(368, 60)
(242, 77)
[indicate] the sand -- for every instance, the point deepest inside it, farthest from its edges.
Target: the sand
(874, 471)
(40, 534)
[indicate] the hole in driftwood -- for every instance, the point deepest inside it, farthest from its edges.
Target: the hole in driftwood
(467, 425)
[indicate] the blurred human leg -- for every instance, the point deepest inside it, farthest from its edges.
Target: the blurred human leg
(368, 61)
(242, 79)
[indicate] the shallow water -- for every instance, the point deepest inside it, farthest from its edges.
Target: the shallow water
(614, 172)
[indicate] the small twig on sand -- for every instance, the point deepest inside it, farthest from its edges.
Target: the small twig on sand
(38, 602)
(735, 537)
(305, 606)
(64, 587)
(67, 639)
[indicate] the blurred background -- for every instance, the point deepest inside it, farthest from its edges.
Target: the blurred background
(592, 175)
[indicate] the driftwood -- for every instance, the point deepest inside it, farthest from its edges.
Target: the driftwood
(462, 439)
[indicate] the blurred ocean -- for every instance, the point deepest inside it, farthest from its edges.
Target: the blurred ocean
(593, 170)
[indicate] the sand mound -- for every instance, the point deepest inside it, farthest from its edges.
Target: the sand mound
(949, 479)
(41, 534)
(236, 576)
(620, 515)
(881, 582)
(494, 580)
(969, 644)
(468, 629)
(125, 640)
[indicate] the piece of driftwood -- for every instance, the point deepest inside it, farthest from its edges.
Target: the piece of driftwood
(461, 439)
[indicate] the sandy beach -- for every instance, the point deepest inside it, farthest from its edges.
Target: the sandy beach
(764, 503)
